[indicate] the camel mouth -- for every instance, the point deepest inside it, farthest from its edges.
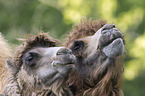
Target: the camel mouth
(68, 63)
(115, 41)
(106, 40)
(115, 48)
(64, 63)
(111, 41)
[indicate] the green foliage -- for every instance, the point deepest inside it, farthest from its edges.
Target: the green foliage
(21, 17)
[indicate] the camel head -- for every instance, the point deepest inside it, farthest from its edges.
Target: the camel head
(107, 39)
(107, 42)
(99, 50)
(38, 63)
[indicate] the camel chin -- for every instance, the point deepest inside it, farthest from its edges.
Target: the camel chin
(114, 49)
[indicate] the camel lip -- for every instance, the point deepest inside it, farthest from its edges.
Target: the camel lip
(111, 42)
(114, 40)
(67, 63)
(114, 49)
(54, 63)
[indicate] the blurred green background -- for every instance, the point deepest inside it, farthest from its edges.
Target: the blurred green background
(21, 17)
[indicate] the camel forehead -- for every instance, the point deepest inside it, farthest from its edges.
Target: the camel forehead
(92, 41)
(50, 51)
(94, 37)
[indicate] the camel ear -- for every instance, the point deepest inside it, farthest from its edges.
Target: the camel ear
(12, 68)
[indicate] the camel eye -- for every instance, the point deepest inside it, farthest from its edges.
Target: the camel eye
(78, 45)
(31, 59)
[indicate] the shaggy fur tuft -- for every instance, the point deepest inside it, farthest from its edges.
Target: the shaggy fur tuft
(4, 54)
(87, 27)
(40, 40)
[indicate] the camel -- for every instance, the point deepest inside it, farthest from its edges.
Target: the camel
(38, 66)
(5, 53)
(99, 49)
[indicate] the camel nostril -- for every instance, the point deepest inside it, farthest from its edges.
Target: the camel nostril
(107, 32)
(108, 26)
(63, 51)
(113, 25)
(107, 29)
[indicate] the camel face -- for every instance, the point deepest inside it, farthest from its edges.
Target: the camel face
(103, 47)
(108, 39)
(48, 64)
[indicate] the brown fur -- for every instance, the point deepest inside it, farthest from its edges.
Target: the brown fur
(107, 79)
(4, 54)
